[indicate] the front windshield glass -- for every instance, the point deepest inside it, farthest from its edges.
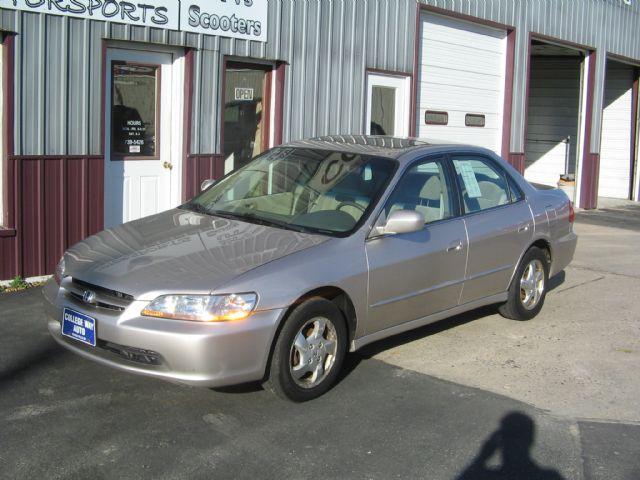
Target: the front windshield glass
(300, 189)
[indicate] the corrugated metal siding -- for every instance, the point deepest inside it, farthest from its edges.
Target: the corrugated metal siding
(606, 25)
(326, 43)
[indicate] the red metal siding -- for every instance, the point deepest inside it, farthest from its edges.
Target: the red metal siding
(58, 202)
(590, 161)
(517, 160)
(200, 168)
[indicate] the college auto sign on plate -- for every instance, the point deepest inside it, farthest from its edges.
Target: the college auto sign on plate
(79, 326)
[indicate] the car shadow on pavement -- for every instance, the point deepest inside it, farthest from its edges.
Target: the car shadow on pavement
(371, 350)
(512, 443)
(35, 359)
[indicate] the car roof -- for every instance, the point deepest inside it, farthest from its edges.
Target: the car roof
(381, 146)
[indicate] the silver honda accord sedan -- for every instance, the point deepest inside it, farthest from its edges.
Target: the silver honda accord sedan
(310, 251)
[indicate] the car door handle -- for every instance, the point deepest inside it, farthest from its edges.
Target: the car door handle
(524, 227)
(455, 246)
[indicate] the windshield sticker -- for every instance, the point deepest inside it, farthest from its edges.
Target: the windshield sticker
(469, 178)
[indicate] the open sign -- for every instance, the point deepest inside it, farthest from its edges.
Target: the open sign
(244, 93)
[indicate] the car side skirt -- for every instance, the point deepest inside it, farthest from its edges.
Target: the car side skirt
(420, 322)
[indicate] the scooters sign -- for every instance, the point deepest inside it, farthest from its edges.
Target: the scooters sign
(245, 19)
(228, 18)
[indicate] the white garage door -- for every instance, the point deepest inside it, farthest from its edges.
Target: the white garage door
(461, 82)
(615, 148)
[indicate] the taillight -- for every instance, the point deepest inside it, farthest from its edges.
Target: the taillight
(572, 213)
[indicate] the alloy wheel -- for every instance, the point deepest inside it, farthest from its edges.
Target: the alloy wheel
(532, 284)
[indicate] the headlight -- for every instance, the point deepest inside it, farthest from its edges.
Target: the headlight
(58, 275)
(203, 308)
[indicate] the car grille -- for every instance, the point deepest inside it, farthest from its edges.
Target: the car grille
(138, 355)
(105, 297)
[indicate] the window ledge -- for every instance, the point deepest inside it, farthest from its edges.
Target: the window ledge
(7, 232)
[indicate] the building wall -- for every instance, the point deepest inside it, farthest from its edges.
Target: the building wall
(55, 164)
(326, 44)
(604, 25)
(60, 114)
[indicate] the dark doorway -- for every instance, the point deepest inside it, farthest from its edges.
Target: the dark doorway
(554, 114)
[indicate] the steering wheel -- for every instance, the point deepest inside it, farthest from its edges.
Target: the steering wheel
(351, 204)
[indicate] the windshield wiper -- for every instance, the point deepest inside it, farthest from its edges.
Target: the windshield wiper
(253, 218)
(196, 207)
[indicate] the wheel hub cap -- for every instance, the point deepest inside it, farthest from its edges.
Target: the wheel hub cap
(313, 352)
(532, 284)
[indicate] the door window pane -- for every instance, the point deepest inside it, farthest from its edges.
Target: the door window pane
(383, 110)
(245, 114)
(483, 186)
(134, 110)
(423, 189)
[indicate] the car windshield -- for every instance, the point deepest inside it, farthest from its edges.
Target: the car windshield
(312, 190)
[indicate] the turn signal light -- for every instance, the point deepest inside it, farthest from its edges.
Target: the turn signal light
(572, 213)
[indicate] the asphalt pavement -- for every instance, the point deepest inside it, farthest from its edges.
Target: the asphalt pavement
(65, 417)
(472, 397)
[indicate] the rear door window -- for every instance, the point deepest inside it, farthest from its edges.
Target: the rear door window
(483, 186)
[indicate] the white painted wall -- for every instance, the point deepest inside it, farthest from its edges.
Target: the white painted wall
(615, 146)
(462, 69)
(553, 115)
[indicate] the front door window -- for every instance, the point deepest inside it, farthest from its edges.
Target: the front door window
(134, 110)
(246, 113)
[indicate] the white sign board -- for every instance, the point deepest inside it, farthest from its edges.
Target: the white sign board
(246, 19)
(244, 93)
(469, 178)
(150, 13)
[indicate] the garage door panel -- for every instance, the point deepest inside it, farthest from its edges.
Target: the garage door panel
(440, 55)
(463, 79)
(470, 33)
(553, 114)
(551, 126)
(462, 71)
(615, 146)
(464, 97)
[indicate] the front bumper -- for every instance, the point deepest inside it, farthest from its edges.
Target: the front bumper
(200, 354)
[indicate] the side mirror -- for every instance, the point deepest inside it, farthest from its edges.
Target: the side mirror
(401, 221)
(206, 184)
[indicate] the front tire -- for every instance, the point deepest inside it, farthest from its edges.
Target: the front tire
(309, 351)
(528, 289)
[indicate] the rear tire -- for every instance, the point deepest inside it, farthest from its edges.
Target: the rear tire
(528, 288)
(309, 351)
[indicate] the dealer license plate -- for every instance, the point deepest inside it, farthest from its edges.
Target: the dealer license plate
(79, 326)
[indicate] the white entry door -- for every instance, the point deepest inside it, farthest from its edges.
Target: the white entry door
(388, 104)
(143, 134)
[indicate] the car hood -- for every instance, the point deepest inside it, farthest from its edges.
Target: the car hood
(179, 251)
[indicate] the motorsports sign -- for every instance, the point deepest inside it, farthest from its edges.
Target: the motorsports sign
(245, 19)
